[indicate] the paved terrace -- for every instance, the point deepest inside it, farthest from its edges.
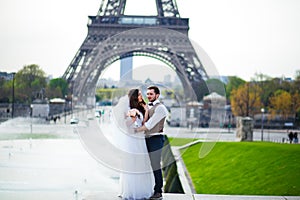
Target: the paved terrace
(62, 169)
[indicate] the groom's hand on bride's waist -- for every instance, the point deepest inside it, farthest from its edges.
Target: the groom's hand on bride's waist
(140, 129)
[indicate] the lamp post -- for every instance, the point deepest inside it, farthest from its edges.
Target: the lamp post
(72, 92)
(262, 123)
(31, 109)
(13, 95)
(65, 107)
(229, 122)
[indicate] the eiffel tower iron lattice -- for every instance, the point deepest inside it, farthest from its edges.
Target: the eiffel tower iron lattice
(113, 36)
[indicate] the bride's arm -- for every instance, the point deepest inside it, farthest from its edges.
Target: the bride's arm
(130, 118)
(146, 117)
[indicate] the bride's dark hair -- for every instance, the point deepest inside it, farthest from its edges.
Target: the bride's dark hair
(134, 101)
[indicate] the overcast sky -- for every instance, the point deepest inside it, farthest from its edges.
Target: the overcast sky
(241, 37)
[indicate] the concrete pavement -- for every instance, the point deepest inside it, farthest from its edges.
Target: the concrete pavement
(32, 169)
(168, 196)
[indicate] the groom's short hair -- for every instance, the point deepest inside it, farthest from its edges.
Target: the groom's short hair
(155, 88)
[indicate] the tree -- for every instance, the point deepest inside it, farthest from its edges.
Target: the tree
(266, 84)
(260, 77)
(57, 88)
(233, 83)
(30, 80)
(108, 94)
(245, 100)
(215, 85)
(281, 104)
(5, 90)
(296, 83)
(296, 97)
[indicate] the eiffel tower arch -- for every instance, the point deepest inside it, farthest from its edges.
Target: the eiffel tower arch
(113, 36)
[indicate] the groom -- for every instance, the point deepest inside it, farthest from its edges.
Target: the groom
(154, 136)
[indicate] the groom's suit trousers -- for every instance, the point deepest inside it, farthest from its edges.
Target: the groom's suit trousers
(154, 145)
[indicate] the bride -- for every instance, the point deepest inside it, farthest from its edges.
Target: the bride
(136, 177)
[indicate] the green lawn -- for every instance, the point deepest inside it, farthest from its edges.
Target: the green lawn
(245, 168)
(180, 141)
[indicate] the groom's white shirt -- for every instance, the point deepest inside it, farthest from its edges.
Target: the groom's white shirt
(160, 112)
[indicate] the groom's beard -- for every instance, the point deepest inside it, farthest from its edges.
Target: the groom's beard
(154, 99)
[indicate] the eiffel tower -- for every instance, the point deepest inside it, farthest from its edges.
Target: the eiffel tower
(113, 36)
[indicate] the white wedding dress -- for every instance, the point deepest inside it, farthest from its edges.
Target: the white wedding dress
(136, 177)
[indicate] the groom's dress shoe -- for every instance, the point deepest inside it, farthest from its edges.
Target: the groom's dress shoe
(156, 196)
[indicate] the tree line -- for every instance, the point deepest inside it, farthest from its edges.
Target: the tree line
(31, 83)
(277, 96)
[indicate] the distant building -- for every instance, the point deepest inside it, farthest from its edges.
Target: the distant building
(57, 106)
(106, 83)
(40, 108)
(288, 79)
(126, 69)
(6, 76)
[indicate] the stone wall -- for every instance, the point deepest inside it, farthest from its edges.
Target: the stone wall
(244, 129)
(170, 173)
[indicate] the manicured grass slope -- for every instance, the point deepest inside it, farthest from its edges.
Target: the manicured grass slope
(245, 168)
(180, 141)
